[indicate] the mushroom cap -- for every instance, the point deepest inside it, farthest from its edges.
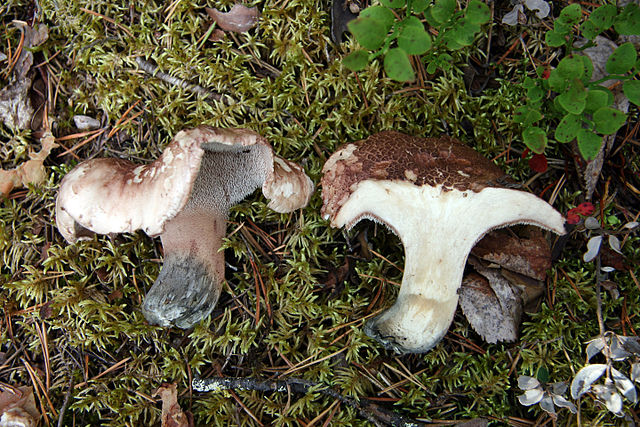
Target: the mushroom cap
(394, 156)
(113, 195)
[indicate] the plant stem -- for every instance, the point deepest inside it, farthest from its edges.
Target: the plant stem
(598, 295)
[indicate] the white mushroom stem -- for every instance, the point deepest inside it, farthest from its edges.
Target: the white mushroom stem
(438, 229)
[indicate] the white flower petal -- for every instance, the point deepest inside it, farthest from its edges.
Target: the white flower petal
(527, 383)
(624, 385)
(561, 402)
(511, 18)
(593, 247)
(547, 404)
(585, 377)
(531, 397)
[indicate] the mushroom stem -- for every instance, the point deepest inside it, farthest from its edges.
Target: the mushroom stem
(190, 281)
(438, 228)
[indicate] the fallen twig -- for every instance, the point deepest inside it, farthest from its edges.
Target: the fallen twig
(377, 415)
(152, 69)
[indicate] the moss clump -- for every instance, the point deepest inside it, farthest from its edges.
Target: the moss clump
(287, 83)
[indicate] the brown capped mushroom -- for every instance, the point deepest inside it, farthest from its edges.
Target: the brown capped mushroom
(184, 197)
(440, 197)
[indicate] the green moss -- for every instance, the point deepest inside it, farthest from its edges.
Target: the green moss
(288, 84)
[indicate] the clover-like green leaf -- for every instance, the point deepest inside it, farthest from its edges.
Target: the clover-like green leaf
(381, 14)
(535, 138)
(600, 20)
(393, 3)
(397, 65)
(588, 68)
(608, 120)
(622, 59)
(631, 89)
(574, 99)
(568, 128)
(571, 67)
(554, 38)
(419, 5)
(411, 21)
(628, 21)
(571, 14)
(478, 12)
(589, 143)
(414, 40)
(597, 98)
(526, 116)
(557, 81)
(464, 32)
(442, 10)
(535, 94)
(356, 60)
(369, 32)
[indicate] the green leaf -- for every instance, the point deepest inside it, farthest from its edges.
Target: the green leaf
(381, 14)
(535, 94)
(411, 21)
(588, 68)
(414, 40)
(393, 3)
(528, 83)
(575, 98)
(397, 65)
(600, 20)
(419, 5)
(622, 59)
(356, 60)
(608, 120)
(568, 128)
(631, 89)
(554, 38)
(571, 14)
(526, 116)
(369, 32)
(450, 39)
(465, 32)
(432, 67)
(478, 12)
(596, 99)
(535, 138)
(628, 22)
(571, 67)
(589, 144)
(557, 82)
(589, 30)
(442, 10)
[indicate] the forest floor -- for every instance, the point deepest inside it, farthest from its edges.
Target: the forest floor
(297, 292)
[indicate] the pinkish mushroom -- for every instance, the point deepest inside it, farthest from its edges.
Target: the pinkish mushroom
(184, 197)
(440, 197)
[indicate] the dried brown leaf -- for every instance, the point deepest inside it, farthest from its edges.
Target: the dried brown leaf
(239, 19)
(30, 172)
(172, 415)
(18, 408)
(492, 306)
(528, 256)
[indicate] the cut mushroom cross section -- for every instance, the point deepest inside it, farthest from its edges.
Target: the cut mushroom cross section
(440, 197)
(184, 197)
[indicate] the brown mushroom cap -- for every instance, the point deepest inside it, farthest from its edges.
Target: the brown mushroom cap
(440, 197)
(394, 156)
(184, 197)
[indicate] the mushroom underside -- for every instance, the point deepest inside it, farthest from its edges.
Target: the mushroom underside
(189, 284)
(438, 228)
